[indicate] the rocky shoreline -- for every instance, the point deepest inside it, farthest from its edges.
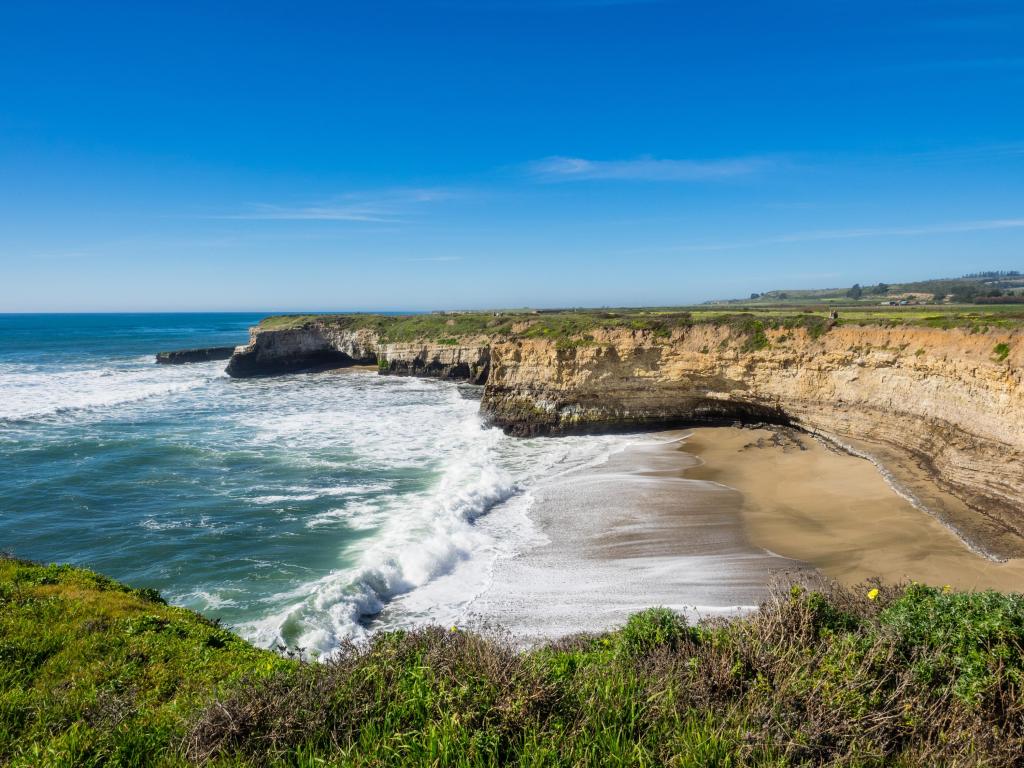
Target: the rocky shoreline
(936, 398)
(202, 355)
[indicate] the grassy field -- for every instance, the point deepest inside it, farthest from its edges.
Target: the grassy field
(955, 289)
(573, 326)
(93, 673)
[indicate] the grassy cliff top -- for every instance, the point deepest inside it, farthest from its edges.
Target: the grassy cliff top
(94, 673)
(564, 324)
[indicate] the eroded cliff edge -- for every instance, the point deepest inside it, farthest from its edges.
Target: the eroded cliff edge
(320, 344)
(947, 401)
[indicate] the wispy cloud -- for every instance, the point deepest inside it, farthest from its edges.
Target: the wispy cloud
(850, 234)
(643, 169)
(383, 207)
(322, 212)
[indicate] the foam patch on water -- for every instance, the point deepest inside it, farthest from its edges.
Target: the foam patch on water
(203, 600)
(309, 494)
(421, 537)
(33, 393)
(303, 509)
(425, 557)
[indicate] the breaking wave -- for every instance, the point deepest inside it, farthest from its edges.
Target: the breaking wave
(34, 393)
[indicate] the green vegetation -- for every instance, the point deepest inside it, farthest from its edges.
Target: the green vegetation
(1001, 351)
(94, 673)
(983, 287)
(570, 329)
(285, 322)
(755, 336)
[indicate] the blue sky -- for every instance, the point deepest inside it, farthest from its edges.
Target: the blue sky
(449, 153)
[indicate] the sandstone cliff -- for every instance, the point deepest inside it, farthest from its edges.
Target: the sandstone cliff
(943, 401)
(318, 345)
(938, 398)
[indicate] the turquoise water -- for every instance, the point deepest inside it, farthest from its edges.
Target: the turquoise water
(301, 509)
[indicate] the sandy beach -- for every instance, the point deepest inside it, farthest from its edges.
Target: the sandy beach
(704, 520)
(626, 535)
(806, 500)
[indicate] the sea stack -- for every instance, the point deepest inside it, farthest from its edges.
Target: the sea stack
(203, 355)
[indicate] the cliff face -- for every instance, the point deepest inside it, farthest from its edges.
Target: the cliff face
(941, 401)
(321, 345)
(468, 360)
(940, 398)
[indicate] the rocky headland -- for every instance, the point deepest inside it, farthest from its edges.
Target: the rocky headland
(945, 401)
(201, 355)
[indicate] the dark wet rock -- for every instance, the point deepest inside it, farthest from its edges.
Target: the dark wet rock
(203, 355)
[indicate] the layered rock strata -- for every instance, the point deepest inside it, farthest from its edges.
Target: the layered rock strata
(319, 345)
(948, 402)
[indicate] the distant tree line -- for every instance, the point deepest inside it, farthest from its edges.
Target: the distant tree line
(994, 273)
(993, 284)
(872, 290)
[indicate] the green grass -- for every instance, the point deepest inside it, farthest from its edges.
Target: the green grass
(570, 329)
(94, 673)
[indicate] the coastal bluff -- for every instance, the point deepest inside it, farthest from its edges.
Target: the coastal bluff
(945, 401)
(324, 344)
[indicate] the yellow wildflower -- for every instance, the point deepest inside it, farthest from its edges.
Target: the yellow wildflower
(947, 588)
(872, 593)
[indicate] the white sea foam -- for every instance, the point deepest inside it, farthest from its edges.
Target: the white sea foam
(421, 537)
(36, 392)
(281, 480)
(309, 494)
(356, 515)
(204, 600)
(425, 558)
(204, 523)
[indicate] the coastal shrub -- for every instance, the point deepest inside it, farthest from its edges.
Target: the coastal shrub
(94, 673)
(817, 327)
(1001, 351)
(825, 676)
(565, 344)
(652, 629)
(756, 337)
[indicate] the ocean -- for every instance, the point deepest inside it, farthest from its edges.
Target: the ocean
(302, 510)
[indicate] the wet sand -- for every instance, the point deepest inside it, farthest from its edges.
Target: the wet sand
(837, 512)
(627, 535)
(704, 520)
